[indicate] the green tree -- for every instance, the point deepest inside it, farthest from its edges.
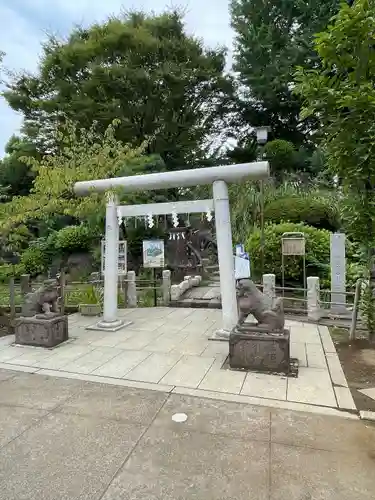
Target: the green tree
(272, 38)
(142, 69)
(84, 155)
(341, 95)
(15, 173)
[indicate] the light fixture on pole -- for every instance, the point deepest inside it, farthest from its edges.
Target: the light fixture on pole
(262, 136)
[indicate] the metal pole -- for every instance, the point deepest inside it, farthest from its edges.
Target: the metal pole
(262, 225)
(357, 297)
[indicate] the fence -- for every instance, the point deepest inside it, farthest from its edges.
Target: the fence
(133, 291)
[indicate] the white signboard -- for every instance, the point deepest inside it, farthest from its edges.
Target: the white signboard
(153, 253)
(241, 268)
(122, 258)
(293, 244)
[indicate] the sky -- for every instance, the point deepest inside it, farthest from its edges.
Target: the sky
(25, 23)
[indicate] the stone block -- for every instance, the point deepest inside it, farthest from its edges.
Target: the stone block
(195, 281)
(175, 292)
(261, 351)
(41, 331)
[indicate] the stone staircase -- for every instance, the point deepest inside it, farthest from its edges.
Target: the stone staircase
(207, 295)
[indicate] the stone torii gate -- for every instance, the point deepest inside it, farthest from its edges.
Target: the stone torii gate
(219, 177)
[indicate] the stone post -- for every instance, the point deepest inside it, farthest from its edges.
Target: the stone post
(131, 290)
(269, 290)
(313, 299)
(175, 292)
(25, 284)
(338, 273)
(166, 287)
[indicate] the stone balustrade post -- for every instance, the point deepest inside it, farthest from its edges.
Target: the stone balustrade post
(131, 290)
(175, 292)
(269, 288)
(314, 312)
(166, 287)
(25, 284)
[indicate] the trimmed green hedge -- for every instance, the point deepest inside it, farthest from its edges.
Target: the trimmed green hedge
(317, 212)
(317, 252)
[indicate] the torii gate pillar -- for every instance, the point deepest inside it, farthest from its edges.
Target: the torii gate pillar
(219, 177)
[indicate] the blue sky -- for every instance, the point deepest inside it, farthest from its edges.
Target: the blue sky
(24, 24)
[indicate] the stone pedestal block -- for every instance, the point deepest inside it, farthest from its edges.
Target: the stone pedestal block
(260, 351)
(41, 331)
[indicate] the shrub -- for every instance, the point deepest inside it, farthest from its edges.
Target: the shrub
(317, 252)
(34, 261)
(73, 239)
(8, 271)
(314, 211)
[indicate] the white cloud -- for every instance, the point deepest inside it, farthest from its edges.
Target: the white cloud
(24, 23)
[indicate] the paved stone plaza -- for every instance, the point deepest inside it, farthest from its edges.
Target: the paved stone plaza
(64, 439)
(169, 350)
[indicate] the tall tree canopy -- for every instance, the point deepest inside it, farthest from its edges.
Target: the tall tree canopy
(272, 38)
(341, 95)
(16, 175)
(144, 70)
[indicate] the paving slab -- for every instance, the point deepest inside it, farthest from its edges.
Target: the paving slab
(305, 473)
(65, 457)
(327, 341)
(312, 386)
(315, 356)
(116, 403)
(121, 364)
(61, 357)
(91, 361)
(139, 340)
(308, 334)
(298, 350)
(154, 367)
(335, 370)
(344, 398)
(193, 465)
(188, 372)
(220, 380)
(263, 385)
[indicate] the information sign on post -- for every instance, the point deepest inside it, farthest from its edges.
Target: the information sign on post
(122, 258)
(153, 253)
(293, 244)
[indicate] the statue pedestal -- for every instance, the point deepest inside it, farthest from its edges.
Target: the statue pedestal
(42, 330)
(254, 348)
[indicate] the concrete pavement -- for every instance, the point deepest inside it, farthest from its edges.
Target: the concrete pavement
(64, 439)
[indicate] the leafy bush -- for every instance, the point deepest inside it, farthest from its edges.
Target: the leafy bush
(314, 211)
(72, 239)
(35, 261)
(317, 252)
(7, 271)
